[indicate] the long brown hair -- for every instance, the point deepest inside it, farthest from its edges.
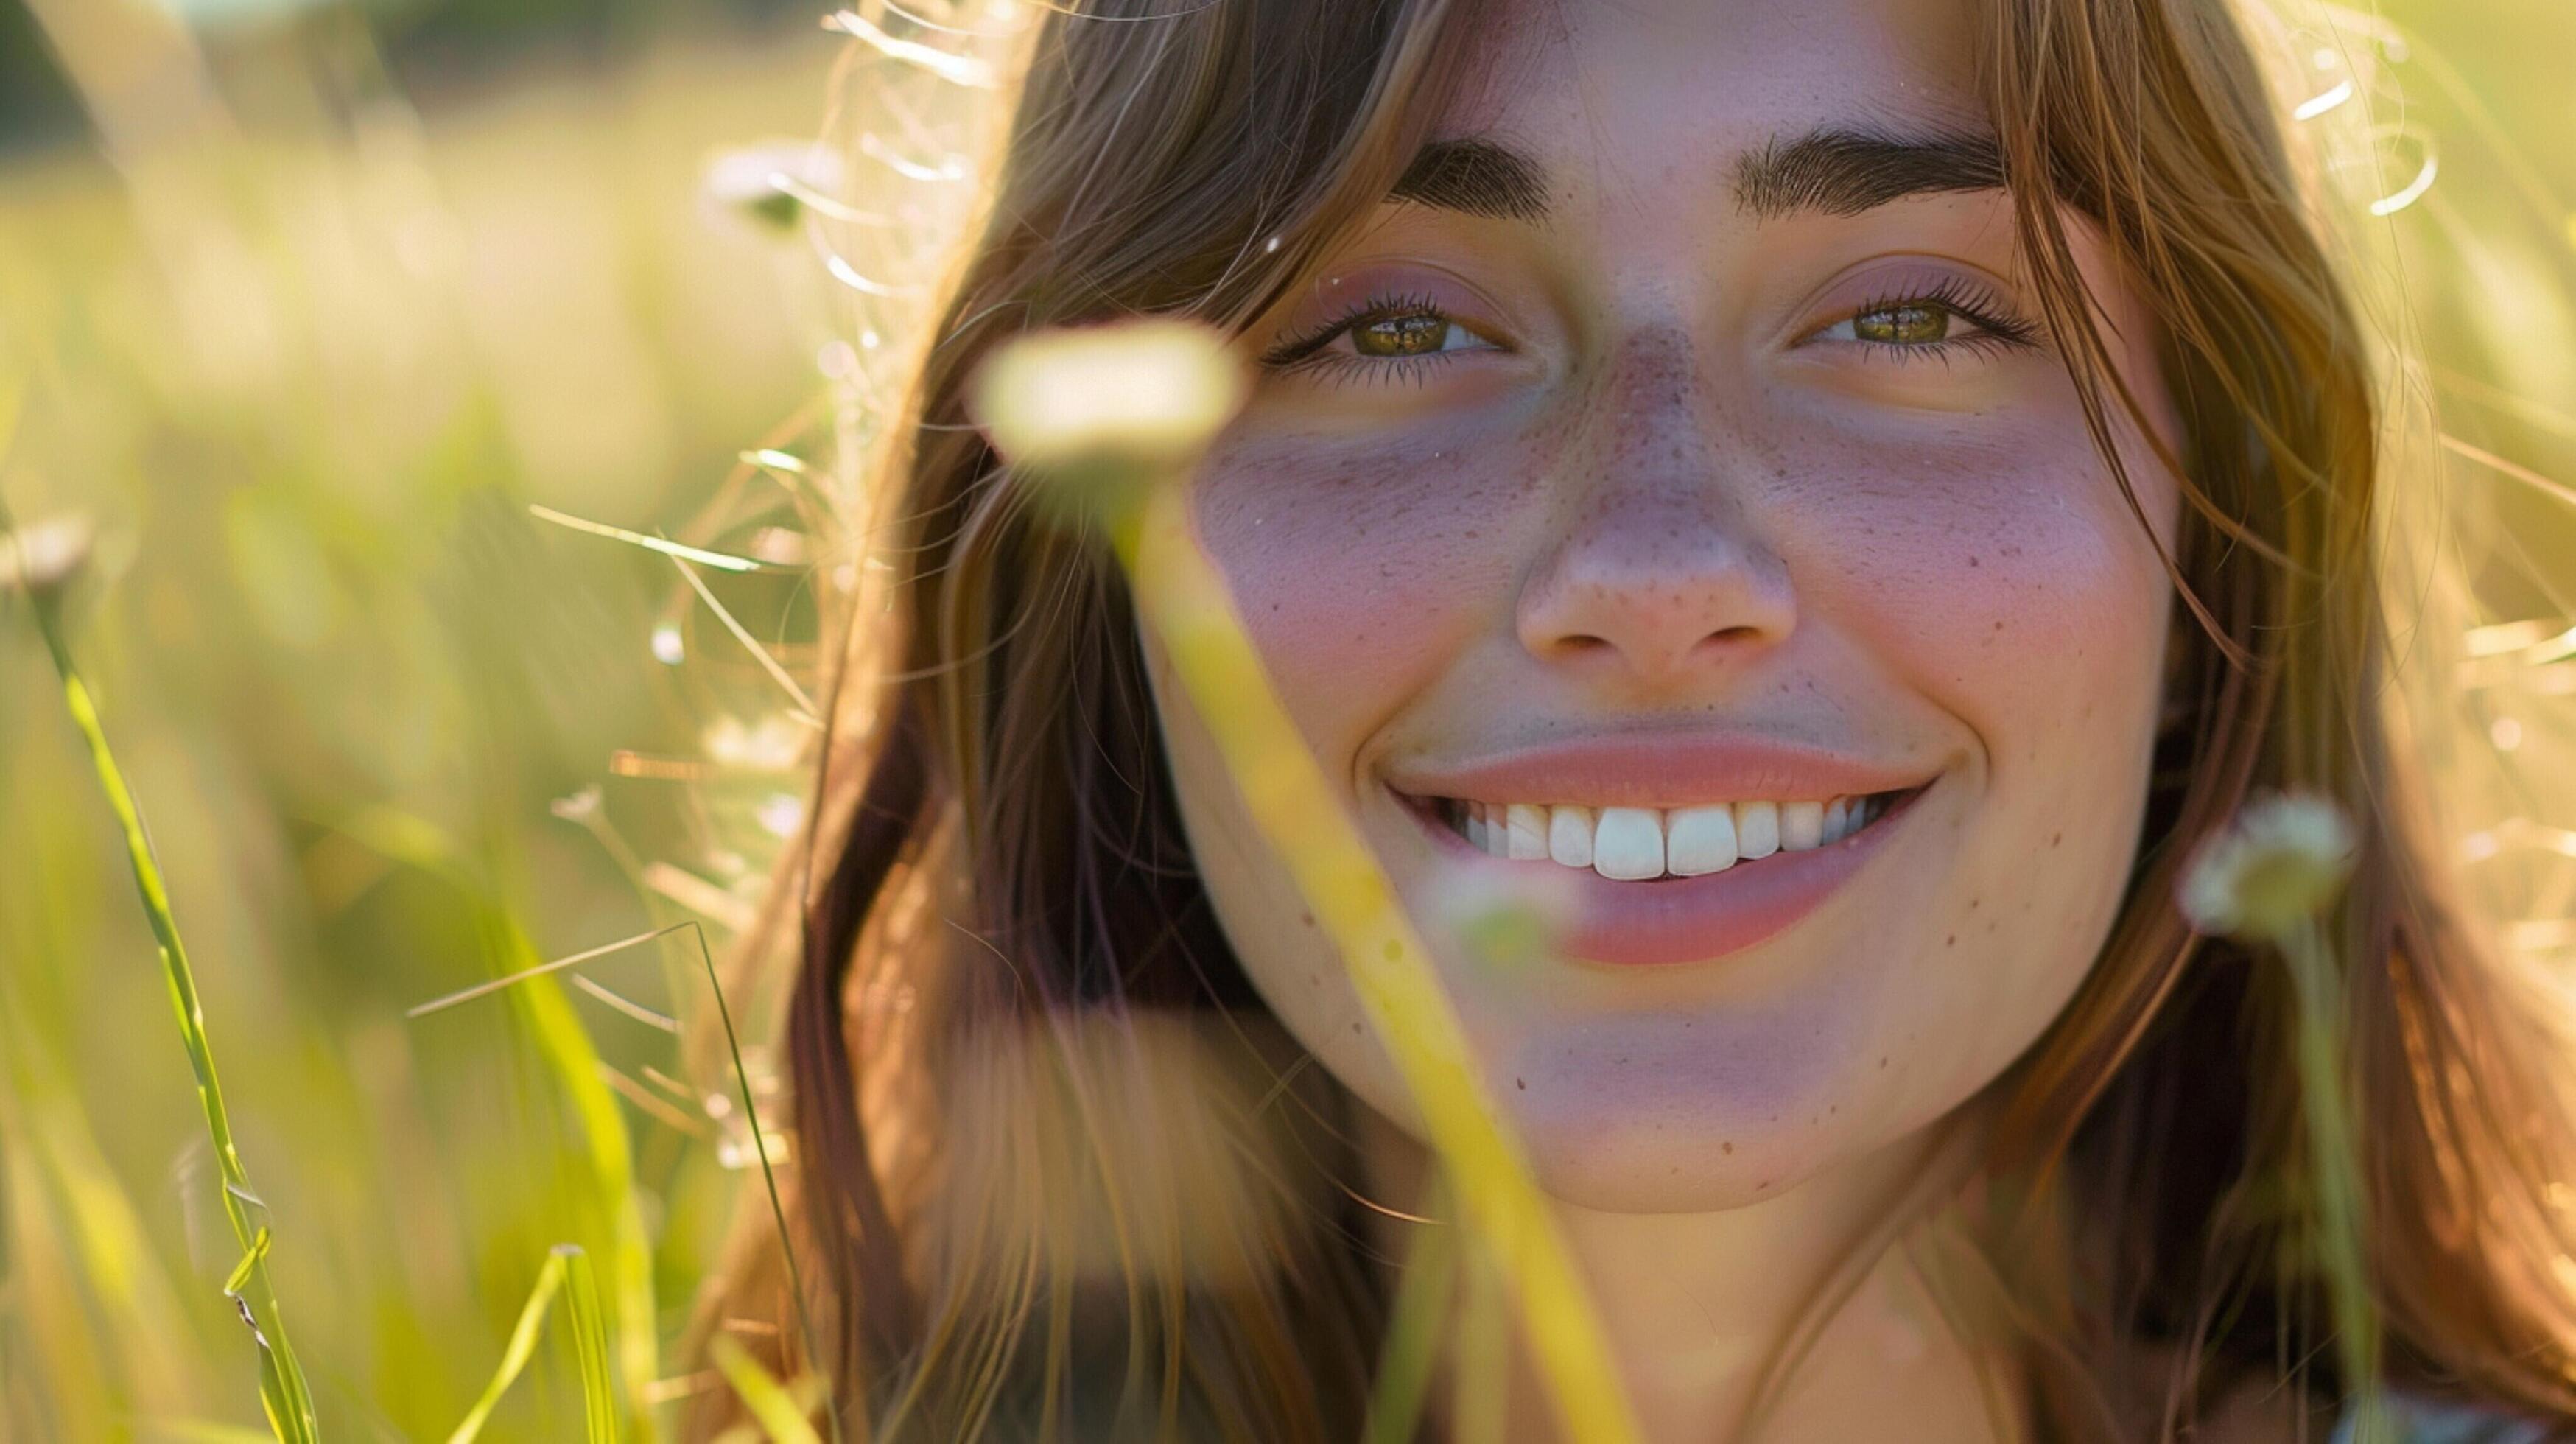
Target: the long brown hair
(987, 1213)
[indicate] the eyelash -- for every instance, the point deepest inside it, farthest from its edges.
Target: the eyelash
(1998, 329)
(1306, 353)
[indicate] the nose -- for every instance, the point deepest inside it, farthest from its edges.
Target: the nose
(1658, 577)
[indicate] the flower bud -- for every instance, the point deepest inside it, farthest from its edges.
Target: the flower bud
(2280, 864)
(40, 559)
(1099, 414)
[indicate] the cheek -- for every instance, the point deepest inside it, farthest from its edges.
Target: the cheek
(1362, 571)
(2009, 585)
(2002, 576)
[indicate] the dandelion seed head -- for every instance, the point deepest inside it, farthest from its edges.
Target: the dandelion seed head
(1109, 405)
(2280, 863)
(43, 557)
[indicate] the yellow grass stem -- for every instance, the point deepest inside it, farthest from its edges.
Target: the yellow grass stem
(1186, 603)
(780, 1417)
(2334, 1172)
(1109, 422)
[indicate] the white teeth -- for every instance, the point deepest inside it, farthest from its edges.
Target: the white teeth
(1628, 844)
(1757, 829)
(1802, 826)
(1699, 840)
(1569, 835)
(1636, 843)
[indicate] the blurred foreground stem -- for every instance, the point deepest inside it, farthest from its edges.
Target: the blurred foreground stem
(2334, 1169)
(1185, 602)
(282, 1390)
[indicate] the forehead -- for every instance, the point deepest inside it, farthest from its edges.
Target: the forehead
(1641, 91)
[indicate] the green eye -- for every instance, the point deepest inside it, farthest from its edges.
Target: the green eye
(1406, 333)
(1913, 324)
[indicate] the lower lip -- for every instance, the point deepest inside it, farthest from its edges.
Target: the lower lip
(1700, 919)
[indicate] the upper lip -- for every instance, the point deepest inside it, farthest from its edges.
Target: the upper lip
(1655, 770)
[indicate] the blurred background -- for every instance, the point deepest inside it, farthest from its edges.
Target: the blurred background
(306, 303)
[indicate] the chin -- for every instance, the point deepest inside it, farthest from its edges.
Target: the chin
(1667, 1118)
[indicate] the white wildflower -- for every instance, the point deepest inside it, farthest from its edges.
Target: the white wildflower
(768, 182)
(42, 557)
(1103, 407)
(2281, 863)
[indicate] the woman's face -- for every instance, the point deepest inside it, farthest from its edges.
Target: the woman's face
(1670, 503)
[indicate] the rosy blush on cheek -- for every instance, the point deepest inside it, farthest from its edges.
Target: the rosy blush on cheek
(1360, 570)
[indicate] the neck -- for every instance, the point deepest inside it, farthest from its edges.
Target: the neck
(1799, 1317)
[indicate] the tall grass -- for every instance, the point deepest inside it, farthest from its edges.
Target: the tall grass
(283, 1392)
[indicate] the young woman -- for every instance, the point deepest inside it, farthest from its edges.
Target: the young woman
(1847, 493)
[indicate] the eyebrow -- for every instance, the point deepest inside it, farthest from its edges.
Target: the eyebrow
(1477, 176)
(1842, 172)
(1831, 170)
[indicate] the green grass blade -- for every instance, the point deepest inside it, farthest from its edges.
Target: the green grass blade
(768, 1172)
(514, 1357)
(771, 1405)
(283, 1391)
(590, 1341)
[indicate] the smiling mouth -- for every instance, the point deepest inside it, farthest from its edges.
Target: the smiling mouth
(1650, 844)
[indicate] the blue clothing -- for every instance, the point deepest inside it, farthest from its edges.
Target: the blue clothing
(2423, 1423)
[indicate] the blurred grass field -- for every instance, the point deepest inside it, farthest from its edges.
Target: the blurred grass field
(305, 357)
(306, 391)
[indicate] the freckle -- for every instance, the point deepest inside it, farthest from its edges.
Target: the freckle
(1307, 918)
(2055, 838)
(1836, 1108)
(1726, 1148)
(1521, 1083)
(1972, 903)
(1951, 941)
(1759, 1187)
(1999, 626)
(1972, 561)
(1882, 1060)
